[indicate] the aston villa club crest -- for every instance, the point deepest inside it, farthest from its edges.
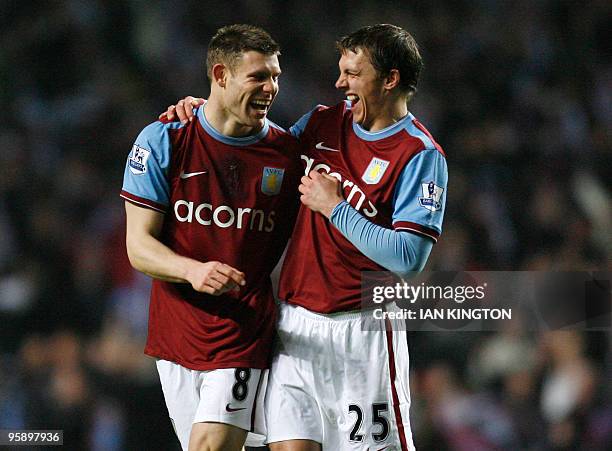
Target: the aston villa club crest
(138, 159)
(375, 170)
(432, 194)
(272, 180)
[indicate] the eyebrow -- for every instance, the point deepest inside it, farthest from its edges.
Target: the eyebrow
(263, 73)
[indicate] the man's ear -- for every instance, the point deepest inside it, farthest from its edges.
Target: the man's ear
(219, 74)
(392, 80)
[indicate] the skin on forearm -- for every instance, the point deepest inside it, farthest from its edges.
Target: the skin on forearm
(154, 259)
(150, 256)
(146, 253)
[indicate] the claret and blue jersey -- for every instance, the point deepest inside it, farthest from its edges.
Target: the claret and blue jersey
(224, 199)
(235, 199)
(396, 178)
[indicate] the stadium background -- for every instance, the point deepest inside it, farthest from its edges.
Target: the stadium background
(518, 93)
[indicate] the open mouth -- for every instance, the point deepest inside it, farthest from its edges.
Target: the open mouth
(260, 105)
(353, 99)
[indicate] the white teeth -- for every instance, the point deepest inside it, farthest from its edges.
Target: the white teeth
(352, 98)
(262, 103)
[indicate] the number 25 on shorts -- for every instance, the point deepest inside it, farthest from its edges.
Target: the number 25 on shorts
(377, 420)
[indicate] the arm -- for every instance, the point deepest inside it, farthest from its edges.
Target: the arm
(184, 110)
(417, 216)
(398, 251)
(145, 187)
(150, 256)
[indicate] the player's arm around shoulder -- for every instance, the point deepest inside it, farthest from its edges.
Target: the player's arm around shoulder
(184, 110)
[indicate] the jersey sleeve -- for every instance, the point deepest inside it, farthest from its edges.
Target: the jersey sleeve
(396, 251)
(145, 180)
(298, 128)
(420, 195)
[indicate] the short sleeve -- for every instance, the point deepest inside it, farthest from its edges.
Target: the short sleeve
(145, 180)
(420, 195)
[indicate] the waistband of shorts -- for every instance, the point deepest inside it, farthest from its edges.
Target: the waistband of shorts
(339, 316)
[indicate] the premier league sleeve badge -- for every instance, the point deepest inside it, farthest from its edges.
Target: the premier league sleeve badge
(432, 194)
(138, 160)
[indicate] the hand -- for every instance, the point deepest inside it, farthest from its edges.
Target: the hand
(320, 192)
(183, 109)
(215, 278)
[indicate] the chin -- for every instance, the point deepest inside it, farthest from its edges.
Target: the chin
(254, 117)
(358, 116)
(251, 121)
(258, 122)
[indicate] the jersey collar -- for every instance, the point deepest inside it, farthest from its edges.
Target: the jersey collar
(231, 140)
(385, 132)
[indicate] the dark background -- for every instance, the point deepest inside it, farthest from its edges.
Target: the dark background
(517, 92)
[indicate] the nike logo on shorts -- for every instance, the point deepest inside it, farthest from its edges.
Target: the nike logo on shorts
(185, 175)
(230, 409)
(320, 146)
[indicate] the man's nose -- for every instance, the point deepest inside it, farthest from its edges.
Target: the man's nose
(341, 82)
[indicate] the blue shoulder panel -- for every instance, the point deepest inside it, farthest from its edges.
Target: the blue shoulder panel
(420, 194)
(146, 169)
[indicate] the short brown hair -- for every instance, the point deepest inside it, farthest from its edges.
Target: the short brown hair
(229, 42)
(388, 47)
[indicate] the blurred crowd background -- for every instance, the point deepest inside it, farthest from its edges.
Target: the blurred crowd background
(519, 94)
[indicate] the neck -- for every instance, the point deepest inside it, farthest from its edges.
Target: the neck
(391, 113)
(222, 119)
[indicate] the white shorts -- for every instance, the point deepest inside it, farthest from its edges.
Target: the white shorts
(231, 396)
(340, 386)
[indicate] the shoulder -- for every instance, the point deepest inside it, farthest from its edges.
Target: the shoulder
(155, 140)
(415, 129)
(159, 129)
(282, 144)
(320, 114)
(278, 134)
(277, 130)
(323, 112)
(427, 159)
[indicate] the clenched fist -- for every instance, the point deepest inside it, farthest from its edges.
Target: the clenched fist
(320, 192)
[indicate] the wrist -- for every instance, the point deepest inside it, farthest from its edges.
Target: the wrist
(327, 212)
(187, 269)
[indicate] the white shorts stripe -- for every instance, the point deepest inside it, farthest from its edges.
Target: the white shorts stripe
(392, 379)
